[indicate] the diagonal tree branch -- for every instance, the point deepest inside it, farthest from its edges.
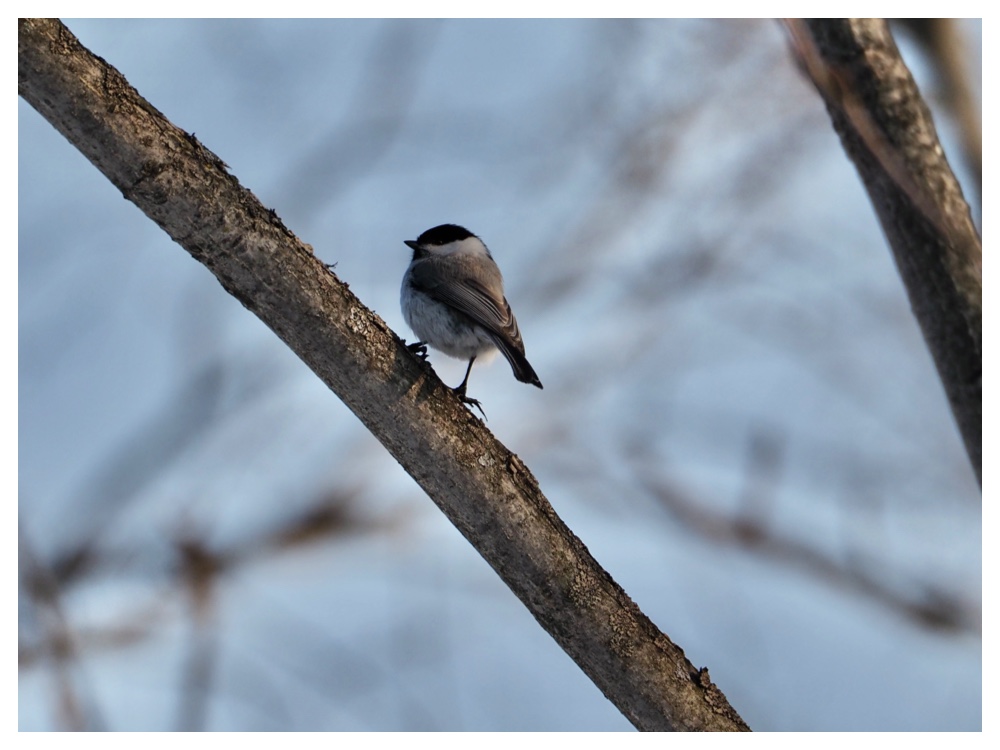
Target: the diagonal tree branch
(888, 132)
(484, 489)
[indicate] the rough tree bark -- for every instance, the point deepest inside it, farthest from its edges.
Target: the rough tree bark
(887, 130)
(484, 489)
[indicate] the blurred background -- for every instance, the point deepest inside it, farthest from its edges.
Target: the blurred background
(740, 418)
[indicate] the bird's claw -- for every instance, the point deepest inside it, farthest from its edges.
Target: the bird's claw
(472, 402)
(418, 348)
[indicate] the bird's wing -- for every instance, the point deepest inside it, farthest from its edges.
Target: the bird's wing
(487, 309)
(469, 297)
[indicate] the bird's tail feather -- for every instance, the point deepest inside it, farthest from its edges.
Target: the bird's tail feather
(514, 354)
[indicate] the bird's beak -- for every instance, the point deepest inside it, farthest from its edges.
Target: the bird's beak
(412, 244)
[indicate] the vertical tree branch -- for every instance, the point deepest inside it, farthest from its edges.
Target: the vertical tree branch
(485, 490)
(887, 130)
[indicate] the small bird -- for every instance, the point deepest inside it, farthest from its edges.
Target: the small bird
(452, 297)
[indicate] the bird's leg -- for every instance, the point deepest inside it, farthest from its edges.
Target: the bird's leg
(419, 348)
(460, 390)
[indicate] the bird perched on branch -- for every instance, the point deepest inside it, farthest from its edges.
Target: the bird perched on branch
(452, 297)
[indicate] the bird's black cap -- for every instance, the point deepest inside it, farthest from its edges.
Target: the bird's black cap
(442, 235)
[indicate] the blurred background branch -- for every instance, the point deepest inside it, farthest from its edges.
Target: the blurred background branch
(889, 133)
